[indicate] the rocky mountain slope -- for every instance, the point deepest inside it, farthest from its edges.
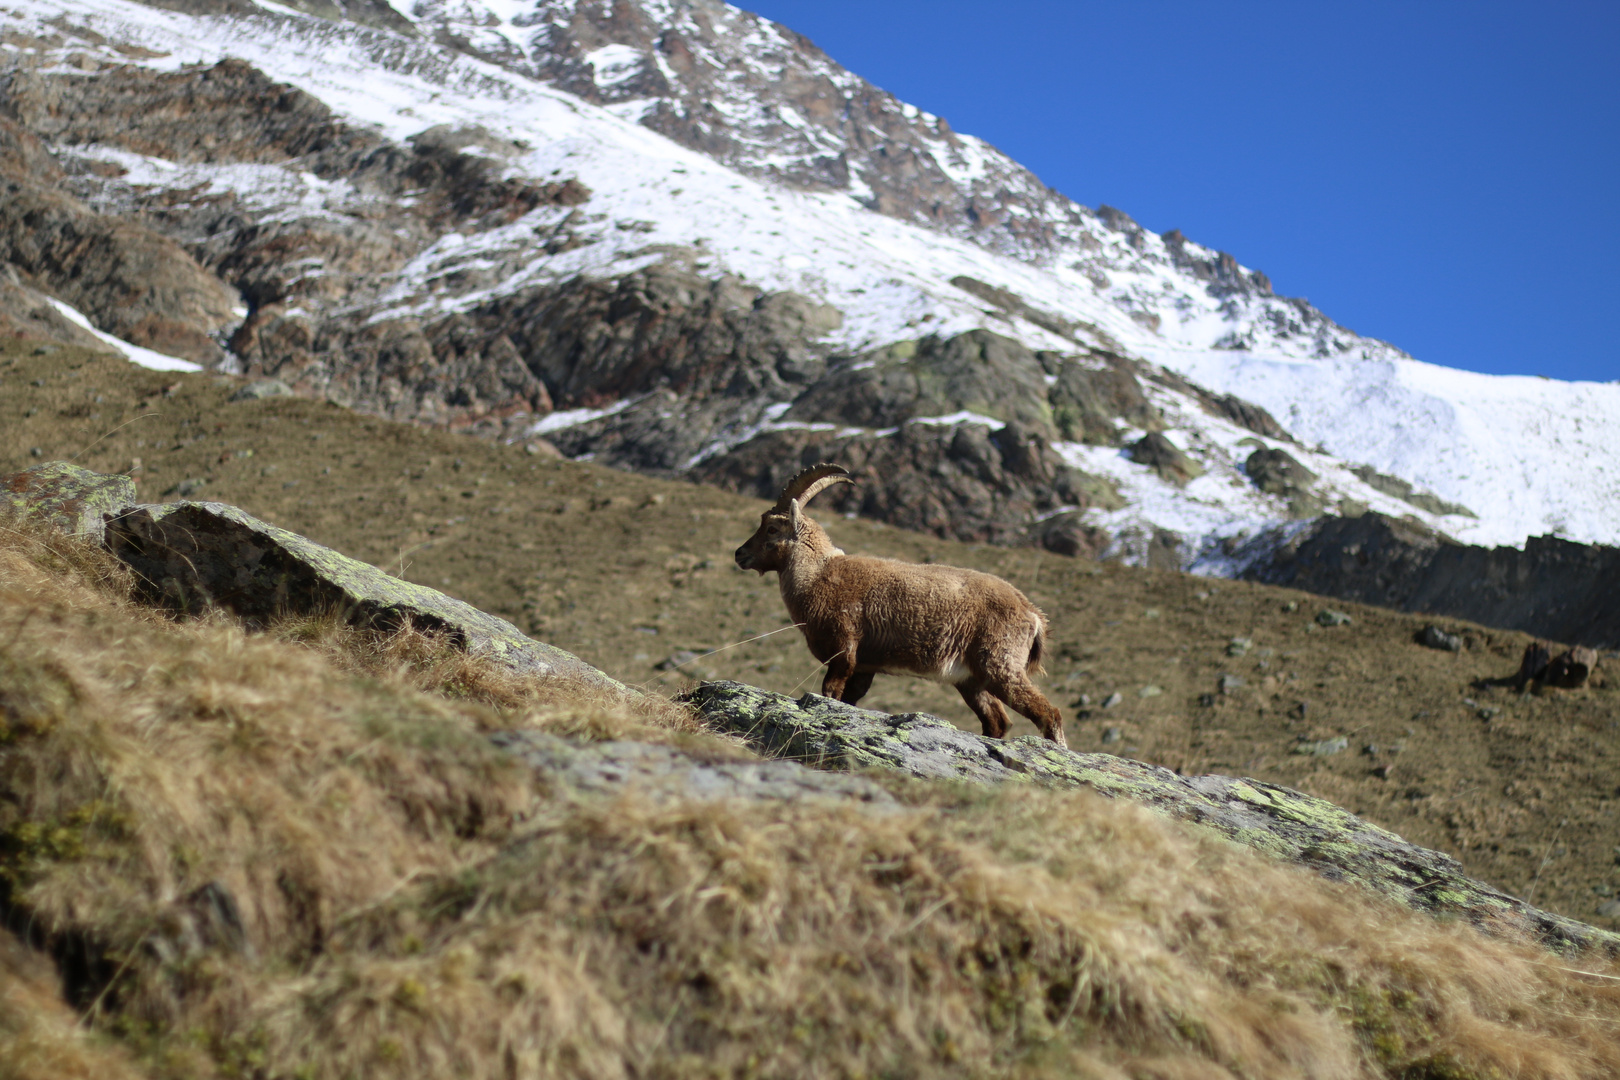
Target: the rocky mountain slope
(677, 238)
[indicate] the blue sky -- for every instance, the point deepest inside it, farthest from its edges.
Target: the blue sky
(1445, 176)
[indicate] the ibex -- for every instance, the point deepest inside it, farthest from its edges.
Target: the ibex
(863, 617)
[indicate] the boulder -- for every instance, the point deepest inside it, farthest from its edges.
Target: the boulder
(1277, 472)
(1570, 668)
(1436, 638)
(71, 499)
(1552, 588)
(1165, 458)
(1284, 823)
(198, 556)
(662, 773)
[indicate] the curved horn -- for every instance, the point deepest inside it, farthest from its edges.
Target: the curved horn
(811, 482)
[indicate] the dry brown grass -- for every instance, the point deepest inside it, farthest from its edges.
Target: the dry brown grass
(40, 1037)
(412, 903)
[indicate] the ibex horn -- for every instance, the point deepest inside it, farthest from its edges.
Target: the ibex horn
(811, 482)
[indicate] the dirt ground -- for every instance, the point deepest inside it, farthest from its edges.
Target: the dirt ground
(630, 572)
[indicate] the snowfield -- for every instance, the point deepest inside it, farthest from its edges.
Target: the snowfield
(1528, 456)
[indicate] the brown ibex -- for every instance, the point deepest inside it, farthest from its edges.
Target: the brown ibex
(864, 617)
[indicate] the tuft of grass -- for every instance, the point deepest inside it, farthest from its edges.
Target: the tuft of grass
(295, 854)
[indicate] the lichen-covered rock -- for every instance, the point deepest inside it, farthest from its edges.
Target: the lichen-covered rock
(663, 772)
(1277, 472)
(1165, 458)
(193, 556)
(1287, 824)
(74, 500)
(199, 555)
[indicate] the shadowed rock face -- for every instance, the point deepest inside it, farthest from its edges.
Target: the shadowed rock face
(1276, 472)
(1279, 821)
(1553, 588)
(194, 557)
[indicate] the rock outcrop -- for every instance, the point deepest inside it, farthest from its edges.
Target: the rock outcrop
(1279, 821)
(1553, 588)
(195, 556)
(663, 772)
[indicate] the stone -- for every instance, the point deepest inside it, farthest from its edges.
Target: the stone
(1238, 646)
(1229, 683)
(1111, 735)
(1112, 699)
(1149, 692)
(197, 556)
(1436, 638)
(260, 389)
(1277, 472)
(187, 488)
(69, 498)
(1401, 489)
(1569, 669)
(1283, 823)
(664, 773)
(1551, 588)
(1329, 617)
(541, 448)
(1321, 747)
(1165, 458)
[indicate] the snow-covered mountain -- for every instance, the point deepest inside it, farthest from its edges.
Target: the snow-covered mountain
(659, 231)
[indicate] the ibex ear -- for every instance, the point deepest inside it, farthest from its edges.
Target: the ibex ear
(795, 516)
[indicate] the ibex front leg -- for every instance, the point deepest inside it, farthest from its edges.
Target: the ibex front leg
(840, 670)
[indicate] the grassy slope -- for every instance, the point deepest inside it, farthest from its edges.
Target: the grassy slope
(406, 902)
(625, 571)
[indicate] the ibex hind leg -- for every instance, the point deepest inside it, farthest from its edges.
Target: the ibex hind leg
(1026, 698)
(989, 711)
(857, 686)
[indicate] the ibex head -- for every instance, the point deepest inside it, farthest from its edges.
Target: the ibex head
(785, 525)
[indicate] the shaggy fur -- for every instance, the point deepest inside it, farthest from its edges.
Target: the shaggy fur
(864, 617)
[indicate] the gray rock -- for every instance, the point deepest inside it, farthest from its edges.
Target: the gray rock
(1165, 458)
(262, 388)
(1436, 638)
(1112, 699)
(1238, 646)
(1400, 489)
(1284, 823)
(195, 556)
(1321, 747)
(1277, 472)
(1111, 735)
(978, 372)
(1092, 398)
(664, 773)
(1329, 617)
(1551, 588)
(69, 498)
(1229, 683)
